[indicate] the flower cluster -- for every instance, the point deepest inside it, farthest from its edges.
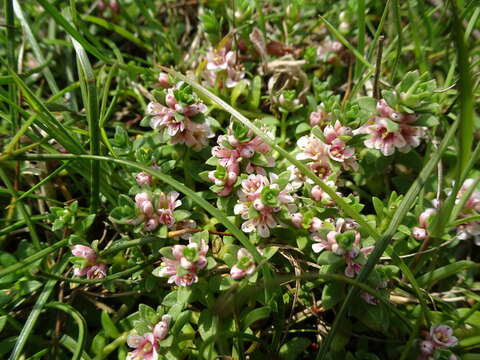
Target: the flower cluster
(147, 345)
(319, 117)
(238, 150)
(184, 264)
(340, 238)
(260, 199)
(156, 209)
(321, 154)
(223, 68)
(439, 337)
(329, 50)
(182, 117)
(470, 208)
(86, 263)
(245, 265)
(421, 232)
(390, 130)
(332, 147)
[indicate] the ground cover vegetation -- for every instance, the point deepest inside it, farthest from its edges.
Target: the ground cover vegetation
(239, 179)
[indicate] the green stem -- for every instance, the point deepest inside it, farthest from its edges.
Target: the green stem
(31, 259)
(21, 208)
(81, 323)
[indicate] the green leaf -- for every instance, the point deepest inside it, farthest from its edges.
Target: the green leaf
(329, 258)
(368, 104)
(255, 92)
(147, 314)
(180, 322)
(108, 325)
(238, 90)
(255, 315)
(332, 294)
(293, 348)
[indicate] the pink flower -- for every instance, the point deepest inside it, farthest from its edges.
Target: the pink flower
(427, 347)
(420, 232)
(351, 257)
(164, 81)
(442, 336)
(194, 135)
(91, 268)
(297, 220)
(143, 178)
(320, 168)
(369, 298)
(244, 266)
(144, 203)
(223, 64)
(166, 204)
(404, 138)
(328, 50)
(97, 271)
(319, 195)
(384, 110)
(231, 152)
(265, 198)
(85, 252)
(330, 243)
(188, 260)
(382, 139)
(312, 148)
(160, 331)
(176, 119)
(147, 346)
(318, 117)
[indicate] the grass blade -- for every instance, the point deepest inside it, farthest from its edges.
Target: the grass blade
(37, 309)
(65, 24)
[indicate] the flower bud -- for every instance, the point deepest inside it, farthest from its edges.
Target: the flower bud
(151, 224)
(164, 81)
(143, 179)
(297, 220)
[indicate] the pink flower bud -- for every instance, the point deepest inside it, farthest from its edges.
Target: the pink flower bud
(297, 220)
(164, 81)
(316, 224)
(419, 233)
(102, 6)
(383, 109)
(237, 273)
(161, 329)
(146, 207)
(151, 224)
(317, 193)
(247, 152)
(427, 347)
(424, 216)
(114, 6)
(318, 117)
(85, 252)
(143, 179)
(170, 100)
